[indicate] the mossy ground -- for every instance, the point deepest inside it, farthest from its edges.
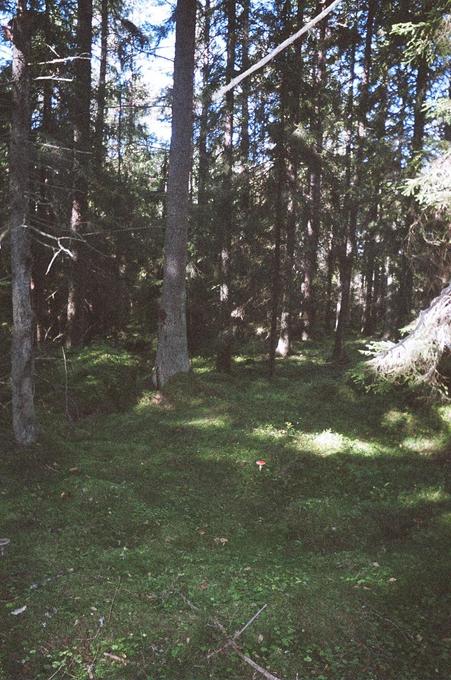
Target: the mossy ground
(146, 500)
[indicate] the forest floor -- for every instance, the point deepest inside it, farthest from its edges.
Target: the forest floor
(144, 521)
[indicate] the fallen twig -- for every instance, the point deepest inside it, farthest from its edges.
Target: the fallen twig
(237, 634)
(113, 600)
(114, 657)
(253, 664)
(230, 641)
(251, 621)
(57, 670)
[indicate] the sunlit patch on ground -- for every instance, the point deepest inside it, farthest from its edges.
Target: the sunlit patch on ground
(421, 445)
(328, 442)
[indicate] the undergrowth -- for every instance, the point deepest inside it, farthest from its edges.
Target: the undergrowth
(135, 507)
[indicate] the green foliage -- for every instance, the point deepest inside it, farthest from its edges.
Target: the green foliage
(431, 187)
(421, 39)
(112, 518)
(440, 110)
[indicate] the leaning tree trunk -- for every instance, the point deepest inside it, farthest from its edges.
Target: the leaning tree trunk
(417, 357)
(172, 351)
(76, 321)
(24, 419)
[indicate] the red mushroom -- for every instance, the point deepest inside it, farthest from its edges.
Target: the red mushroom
(260, 463)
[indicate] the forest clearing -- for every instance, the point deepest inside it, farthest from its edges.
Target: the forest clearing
(120, 518)
(225, 321)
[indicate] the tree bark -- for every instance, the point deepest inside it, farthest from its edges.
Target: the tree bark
(43, 206)
(244, 127)
(346, 245)
(225, 337)
(202, 196)
(22, 382)
(101, 87)
(284, 343)
(405, 299)
(374, 248)
(172, 350)
(353, 186)
(314, 212)
(76, 321)
(276, 266)
(368, 315)
(331, 261)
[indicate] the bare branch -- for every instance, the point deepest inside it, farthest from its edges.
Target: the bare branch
(52, 49)
(230, 642)
(62, 148)
(61, 249)
(221, 92)
(64, 80)
(236, 635)
(241, 631)
(247, 659)
(3, 235)
(61, 60)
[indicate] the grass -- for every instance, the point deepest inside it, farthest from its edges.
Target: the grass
(147, 501)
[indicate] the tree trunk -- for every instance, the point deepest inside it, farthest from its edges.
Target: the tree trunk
(279, 218)
(244, 132)
(331, 260)
(375, 245)
(202, 196)
(24, 419)
(172, 350)
(101, 88)
(346, 247)
(76, 320)
(405, 300)
(284, 344)
(43, 207)
(368, 315)
(314, 211)
(352, 189)
(225, 337)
